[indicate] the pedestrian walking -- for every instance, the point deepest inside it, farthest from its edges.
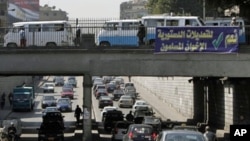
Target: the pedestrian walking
(78, 112)
(3, 101)
(10, 96)
(78, 35)
(22, 38)
(141, 33)
(209, 135)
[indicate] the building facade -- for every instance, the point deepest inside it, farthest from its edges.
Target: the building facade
(48, 13)
(133, 9)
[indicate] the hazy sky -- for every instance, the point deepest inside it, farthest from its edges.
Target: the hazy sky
(87, 8)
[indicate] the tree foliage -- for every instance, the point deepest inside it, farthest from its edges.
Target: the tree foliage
(195, 7)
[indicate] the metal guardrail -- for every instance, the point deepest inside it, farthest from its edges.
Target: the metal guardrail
(89, 37)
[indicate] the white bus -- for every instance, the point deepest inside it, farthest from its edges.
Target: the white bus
(153, 21)
(226, 21)
(41, 33)
(119, 32)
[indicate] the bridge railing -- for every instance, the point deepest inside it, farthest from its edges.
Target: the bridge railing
(91, 35)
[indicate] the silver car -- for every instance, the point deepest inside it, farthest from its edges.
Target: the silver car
(182, 135)
(126, 101)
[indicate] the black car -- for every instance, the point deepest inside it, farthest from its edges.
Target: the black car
(52, 127)
(110, 87)
(117, 94)
(105, 101)
(48, 101)
(110, 119)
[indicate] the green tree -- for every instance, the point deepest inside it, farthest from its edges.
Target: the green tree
(195, 7)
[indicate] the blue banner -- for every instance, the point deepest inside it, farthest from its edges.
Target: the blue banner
(197, 39)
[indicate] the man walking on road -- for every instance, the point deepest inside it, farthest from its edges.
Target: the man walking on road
(141, 33)
(78, 112)
(209, 135)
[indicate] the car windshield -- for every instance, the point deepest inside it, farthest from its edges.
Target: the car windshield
(152, 120)
(126, 97)
(48, 98)
(63, 101)
(183, 137)
(49, 85)
(67, 90)
(109, 109)
(20, 96)
(51, 109)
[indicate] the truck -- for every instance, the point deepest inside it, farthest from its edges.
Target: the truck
(23, 98)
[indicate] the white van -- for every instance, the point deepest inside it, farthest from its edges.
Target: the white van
(40, 33)
(226, 22)
(153, 21)
(118, 32)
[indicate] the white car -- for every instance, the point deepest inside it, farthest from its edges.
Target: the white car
(107, 108)
(138, 103)
(48, 87)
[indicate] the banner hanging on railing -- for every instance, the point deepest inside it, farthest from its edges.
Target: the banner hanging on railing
(197, 39)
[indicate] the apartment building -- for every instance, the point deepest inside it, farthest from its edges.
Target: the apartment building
(133, 9)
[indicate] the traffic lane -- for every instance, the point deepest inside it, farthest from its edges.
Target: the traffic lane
(97, 110)
(32, 120)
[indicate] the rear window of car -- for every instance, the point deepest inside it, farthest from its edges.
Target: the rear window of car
(142, 130)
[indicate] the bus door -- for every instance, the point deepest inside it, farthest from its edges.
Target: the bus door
(128, 33)
(34, 38)
(109, 34)
(151, 25)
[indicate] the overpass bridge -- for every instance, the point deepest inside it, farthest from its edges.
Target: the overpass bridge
(122, 62)
(225, 96)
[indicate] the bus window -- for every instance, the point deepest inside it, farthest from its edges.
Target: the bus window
(59, 27)
(172, 22)
(48, 27)
(34, 28)
(154, 22)
(129, 26)
(193, 22)
(111, 26)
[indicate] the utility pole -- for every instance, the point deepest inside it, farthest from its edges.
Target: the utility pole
(204, 9)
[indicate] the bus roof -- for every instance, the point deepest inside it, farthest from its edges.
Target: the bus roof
(124, 20)
(169, 17)
(38, 22)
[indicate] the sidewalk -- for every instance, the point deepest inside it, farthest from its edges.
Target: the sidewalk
(167, 112)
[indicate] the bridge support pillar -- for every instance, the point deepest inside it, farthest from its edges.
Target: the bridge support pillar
(87, 108)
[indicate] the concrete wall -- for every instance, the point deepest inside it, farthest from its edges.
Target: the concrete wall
(9, 82)
(177, 92)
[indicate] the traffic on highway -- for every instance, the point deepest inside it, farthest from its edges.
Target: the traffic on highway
(119, 111)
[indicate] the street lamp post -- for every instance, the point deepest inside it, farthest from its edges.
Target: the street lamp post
(183, 12)
(204, 9)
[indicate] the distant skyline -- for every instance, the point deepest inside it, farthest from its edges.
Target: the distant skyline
(87, 8)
